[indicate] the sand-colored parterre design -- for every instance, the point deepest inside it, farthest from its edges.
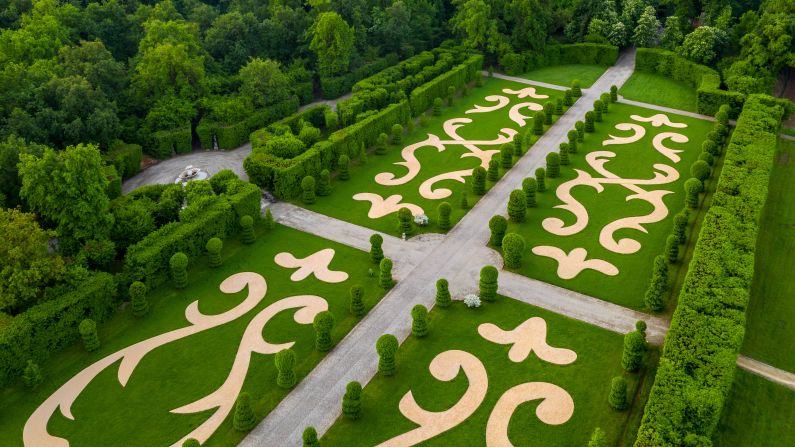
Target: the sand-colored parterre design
(530, 336)
(315, 264)
(380, 207)
(35, 433)
(639, 133)
(671, 154)
(527, 92)
(658, 120)
(556, 408)
(571, 264)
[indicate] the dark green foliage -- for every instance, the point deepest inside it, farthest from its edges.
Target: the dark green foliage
(559, 107)
(450, 94)
(140, 306)
(590, 117)
(672, 248)
(494, 170)
(700, 170)
(381, 144)
(479, 181)
(385, 278)
(506, 155)
(706, 157)
(179, 270)
(541, 175)
(191, 442)
(419, 321)
(634, 349)
(598, 106)
(270, 223)
(331, 120)
(405, 221)
(517, 146)
(658, 286)
(564, 154)
(580, 127)
(680, 225)
(247, 230)
(324, 183)
(567, 98)
(605, 98)
(443, 298)
(323, 323)
(88, 332)
(598, 438)
(386, 346)
(343, 167)
(464, 201)
(488, 283)
(437, 106)
(308, 188)
(538, 122)
(618, 394)
(513, 246)
(214, 247)
(576, 90)
(219, 182)
(352, 401)
(244, 419)
(357, 301)
(376, 252)
(613, 93)
(529, 186)
(309, 438)
(572, 135)
(693, 187)
(722, 117)
(444, 211)
(32, 376)
(284, 361)
(553, 164)
(549, 110)
(517, 206)
(397, 134)
(497, 226)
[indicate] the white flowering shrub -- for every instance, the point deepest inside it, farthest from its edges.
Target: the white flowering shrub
(472, 301)
(421, 220)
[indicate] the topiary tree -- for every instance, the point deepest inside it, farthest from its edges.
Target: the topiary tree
(405, 221)
(357, 300)
(497, 225)
(579, 126)
(479, 181)
(589, 121)
(191, 442)
(419, 321)
(576, 90)
(598, 106)
(376, 252)
(323, 323)
(549, 109)
(140, 306)
(344, 166)
(567, 98)
(700, 170)
(324, 183)
(563, 150)
(529, 186)
(680, 225)
(437, 106)
(541, 175)
(598, 438)
(352, 401)
(605, 98)
(397, 134)
(243, 419)
(710, 147)
(247, 230)
(506, 155)
(385, 278)
(572, 136)
(553, 164)
(444, 211)
(693, 187)
(88, 332)
(672, 248)
(309, 437)
(722, 117)
(707, 157)
(513, 246)
(214, 247)
(613, 93)
(463, 202)
(386, 346)
(634, 349)
(538, 122)
(655, 294)
(517, 206)
(559, 107)
(618, 394)
(381, 143)
(443, 293)
(488, 283)
(285, 364)
(450, 94)
(270, 223)
(179, 269)
(32, 376)
(494, 170)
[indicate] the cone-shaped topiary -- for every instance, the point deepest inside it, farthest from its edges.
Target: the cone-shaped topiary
(517, 206)
(707, 157)
(405, 221)
(700, 170)
(563, 150)
(541, 175)
(344, 166)
(419, 321)
(357, 301)
(88, 332)
(672, 248)
(386, 346)
(634, 349)
(443, 298)
(549, 109)
(247, 230)
(538, 122)
(693, 187)
(576, 89)
(324, 182)
(214, 247)
(352, 401)
(140, 305)
(613, 93)
(437, 106)
(270, 223)
(324, 322)
(590, 117)
(506, 155)
(376, 252)
(32, 376)
(179, 269)
(618, 394)
(397, 134)
(309, 438)
(598, 438)
(658, 286)
(497, 226)
(385, 277)
(572, 136)
(680, 225)
(529, 186)
(464, 201)
(553, 164)
(488, 283)
(513, 247)
(494, 170)
(444, 215)
(285, 364)
(479, 181)
(244, 419)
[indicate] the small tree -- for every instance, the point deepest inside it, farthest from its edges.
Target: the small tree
(352, 401)
(553, 164)
(576, 90)
(437, 106)
(285, 364)
(618, 394)
(32, 376)
(655, 294)
(386, 346)
(324, 183)
(140, 306)
(405, 221)
(88, 332)
(419, 321)
(494, 170)
(598, 438)
(506, 155)
(559, 107)
(244, 419)
(497, 225)
(700, 170)
(488, 283)
(247, 229)
(376, 252)
(381, 143)
(693, 187)
(538, 122)
(463, 201)
(517, 206)
(634, 349)
(513, 246)
(572, 136)
(541, 175)
(567, 98)
(613, 93)
(270, 223)
(357, 300)
(479, 181)
(309, 438)
(580, 127)
(444, 215)
(443, 293)
(680, 225)
(563, 150)
(598, 106)
(179, 269)
(323, 323)
(529, 186)
(590, 117)
(344, 166)
(385, 278)
(214, 247)
(549, 109)
(397, 134)
(672, 248)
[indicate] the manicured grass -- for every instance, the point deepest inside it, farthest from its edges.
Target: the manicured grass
(185, 370)
(771, 313)
(758, 413)
(587, 381)
(485, 126)
(563, 74)
(632, 161)
(656, 89)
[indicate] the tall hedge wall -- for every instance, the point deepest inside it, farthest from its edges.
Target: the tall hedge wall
(422, 97)
(707, 329)
(167, 141)
(578, 53)
(231, 136)
(125, 157)
(52, 325)
(334, 87)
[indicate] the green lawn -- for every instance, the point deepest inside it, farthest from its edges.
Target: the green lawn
(656, 89)
(632, 161)
(771, 314)
(485, 126)
(587, 381)
(563, 74)
(758, 413)
(185, 370)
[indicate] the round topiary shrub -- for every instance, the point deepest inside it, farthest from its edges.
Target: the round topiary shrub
(700, 170)
(179, 270)
(517, 206)
(437, 106)
(693, 187)
(323, 323)
(598, 106)
(386, 346)
(572, 135)
(506, 155)
(308, 188)
(244, 419)
(722, 117)
(517, 146)
(419, 321)
(139, 303)
(538, 122)
(88, 332)
(357, 301)
(613, 93)
(634, 349)
(247, 229)
(618, 394)
(479, 181)
(191, 442)
(553, 164)
(488, 283)
(707, 157)
(443, 298)
(563, 150)
(497, 226)
(494, 170)
(405, 221)
(397, 134)
(285, 364)
(352, 401)
(605, 98)
(590, 117)
(541, 175)
(444, 215)
(513, 246)
(32, 375)
(309, 438)
(376, 252)
(324, 183)
(680, 225)
(579, 126)
(710, 147)
(529, 186)
(344, 166)
(214, 247)
(576, 89)
(385, 277)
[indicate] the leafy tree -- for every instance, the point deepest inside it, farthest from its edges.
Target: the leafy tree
(332, 42)
(479, 181)
(644, 33)
(497, 226)
(443, 293)
(140, 305)
(32, 376)
(234, 38)
(309, 438)
(488, 283)
(513, 246)
(419, 321)
(529, 186)
(704, 45)
(285, 364)
(386, 346)
(247, 229)
(324, 322)
(88, 332)
(444, 215)
(179, 270)
(244, 419)
(10, 180)
(352, 401)
(672, 33)
(529, 19)
(263, 83)
(357, 301)
(474, 23)
(517, 206)
(618, 394)
(385, 277)
(376, 252)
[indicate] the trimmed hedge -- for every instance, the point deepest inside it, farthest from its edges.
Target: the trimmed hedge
(700, 353)
(334, 87)
(52, 325)
(234, 135)
(422, 97)
(578, 53)
(126, 158)
(167, 142)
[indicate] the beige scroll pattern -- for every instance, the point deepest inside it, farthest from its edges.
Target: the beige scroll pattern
(530, 336)
(658, 120)
(380, 207)
(571, 264)
(315, 264)
(556, 408)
